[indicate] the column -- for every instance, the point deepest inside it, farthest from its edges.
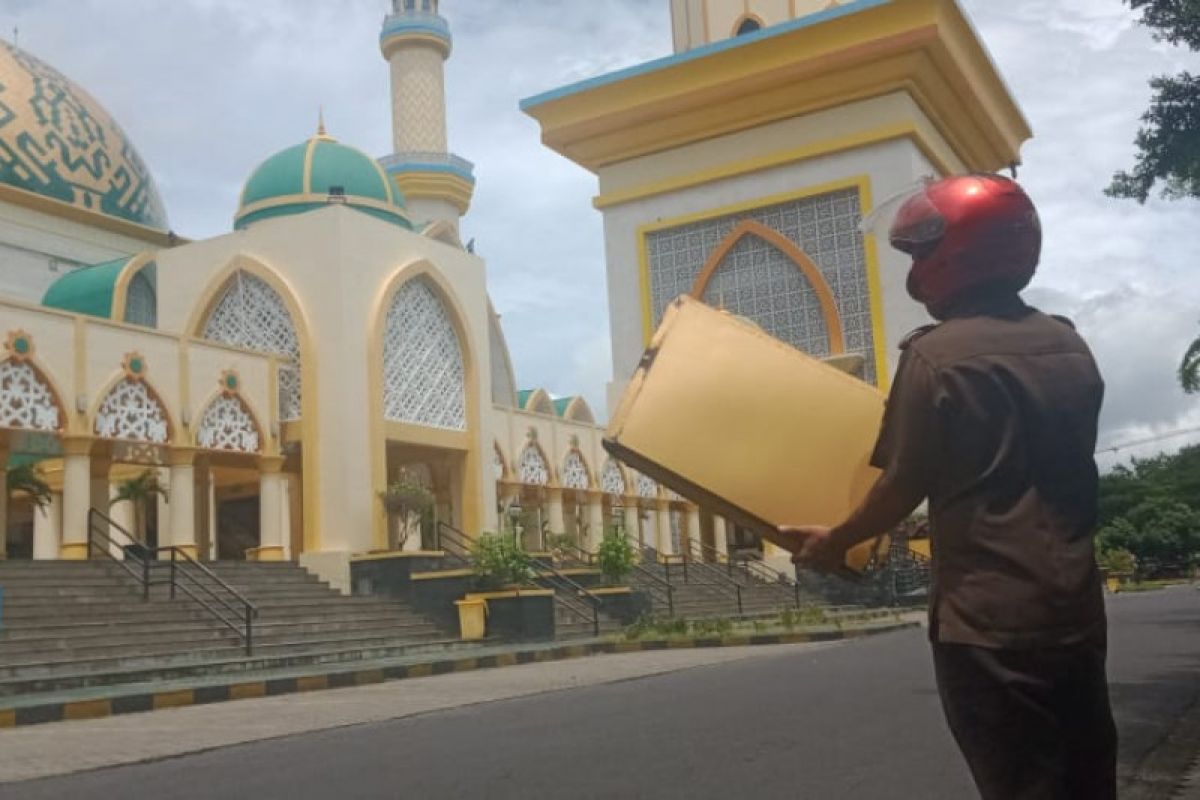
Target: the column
(3, 503)
(210, 498)
(77, 495)
(720, 536)
(663, 528)
(47, 529)
(181, 504)
(285, 516)
(595, 522)
(200, 504)
(122, 514)
(630, 511)
(99, 498)
(554, 510)
(270, 498)
(692, 534)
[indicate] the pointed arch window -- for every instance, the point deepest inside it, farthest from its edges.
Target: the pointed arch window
(424, 378)
(141, 298)
(611, 480)
(252, 315)
(533, 468)
(646, 487)
(575, 472)
(748, 25)
(26, 400)
(132, 413)
(228, 425)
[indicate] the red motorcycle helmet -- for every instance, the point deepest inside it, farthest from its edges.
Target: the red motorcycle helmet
(966, 234)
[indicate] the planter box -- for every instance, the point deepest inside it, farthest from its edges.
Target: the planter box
(623, 603)
(389, 574)
(519, 614)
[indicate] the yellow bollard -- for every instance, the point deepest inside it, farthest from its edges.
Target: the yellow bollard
(472, 618)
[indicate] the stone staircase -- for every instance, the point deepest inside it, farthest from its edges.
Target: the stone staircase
(709, 593)
(71, 625)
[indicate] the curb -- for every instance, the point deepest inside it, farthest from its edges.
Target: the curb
(340, 679)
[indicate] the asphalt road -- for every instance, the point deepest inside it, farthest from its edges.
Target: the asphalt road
(860, 720)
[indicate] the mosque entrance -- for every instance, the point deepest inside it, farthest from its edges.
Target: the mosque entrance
(426, 482)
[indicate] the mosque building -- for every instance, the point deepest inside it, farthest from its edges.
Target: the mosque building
(280, 376)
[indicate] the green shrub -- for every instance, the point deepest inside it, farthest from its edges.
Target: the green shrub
(616, 557)
(1117, 561)
(501, 561)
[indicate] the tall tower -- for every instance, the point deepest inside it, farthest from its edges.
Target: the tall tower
(436, 184)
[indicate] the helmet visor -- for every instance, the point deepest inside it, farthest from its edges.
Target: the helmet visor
(908, 220)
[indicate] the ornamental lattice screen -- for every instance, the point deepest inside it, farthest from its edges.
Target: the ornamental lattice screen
(228, 425)
(612, 482)
(757, 281)
(424, 380)
(533, 469)
(130, 412)
(252, 315)
(575, 472)
(25, 399)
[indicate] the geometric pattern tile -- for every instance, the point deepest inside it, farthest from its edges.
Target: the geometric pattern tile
(131, 413)
(252, 315)
(26, 401)
(575, 472)
(533, 468)
(228, 425)
(759, 282)
(424, 380)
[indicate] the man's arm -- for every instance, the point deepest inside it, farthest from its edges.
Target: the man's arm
(906, 453)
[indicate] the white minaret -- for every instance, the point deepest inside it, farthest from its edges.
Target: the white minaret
(437, 185)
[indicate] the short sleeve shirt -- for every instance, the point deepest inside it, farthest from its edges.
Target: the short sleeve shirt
(996, 416)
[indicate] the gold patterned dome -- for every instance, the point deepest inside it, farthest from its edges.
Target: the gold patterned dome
(56, 141)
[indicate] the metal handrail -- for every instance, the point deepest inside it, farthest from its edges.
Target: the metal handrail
(722, 583)
(766, 577)
(150, 559)
(460, 549)
(638, 569)
(110, 542)
(559, 581)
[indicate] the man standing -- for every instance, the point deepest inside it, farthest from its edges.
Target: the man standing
(992, 418)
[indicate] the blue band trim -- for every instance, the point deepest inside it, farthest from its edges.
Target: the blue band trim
(666, 62)
(399, 26)
(413, 166)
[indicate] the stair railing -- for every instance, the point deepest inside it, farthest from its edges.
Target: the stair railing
(566, 591)
(231, 609)
(699, 574)
(755, 573)
(454, 543)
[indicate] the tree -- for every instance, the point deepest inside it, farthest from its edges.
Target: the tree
(140, 491)
(27, 479)
(1158, 533)
(1169, 140)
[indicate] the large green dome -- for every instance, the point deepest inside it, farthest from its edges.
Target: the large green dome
(313, 174)
(58, 142)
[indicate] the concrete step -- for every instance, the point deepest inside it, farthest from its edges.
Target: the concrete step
(64, 680)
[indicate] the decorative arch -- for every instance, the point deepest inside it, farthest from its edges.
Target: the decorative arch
(578, 410)
(533, 469)
(539, 402)
(646, 487)
(135, 293)
(424, 373)
(131, 410)
(249, 306)
(612, 479)
(499, 463)
(504, 382)
(575, 472)
(748, 23)
(228, 423)
(443, 232)
(829, 311)
(28, 399)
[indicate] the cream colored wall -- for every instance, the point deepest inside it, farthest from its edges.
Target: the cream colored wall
(418, 98)
(82, 357)
(36, 249)
(554, 435)
(336, 263)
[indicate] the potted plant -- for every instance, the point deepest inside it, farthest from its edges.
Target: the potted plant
(140, 491)
(516, 607)
(500, 562)
(616, 557)
(407, 502)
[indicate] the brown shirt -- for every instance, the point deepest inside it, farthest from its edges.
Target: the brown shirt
(997, 414)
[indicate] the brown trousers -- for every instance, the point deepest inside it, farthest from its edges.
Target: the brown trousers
(1032, 724)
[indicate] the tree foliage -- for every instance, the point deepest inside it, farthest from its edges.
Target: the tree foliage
(26, 479)
(1149, 509)
(1169, 141)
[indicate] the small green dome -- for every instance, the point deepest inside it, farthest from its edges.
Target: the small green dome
(314, 174)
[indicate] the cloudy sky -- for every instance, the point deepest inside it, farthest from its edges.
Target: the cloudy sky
(209, 88)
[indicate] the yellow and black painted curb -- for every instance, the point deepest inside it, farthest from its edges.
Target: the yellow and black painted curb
(344, 678)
